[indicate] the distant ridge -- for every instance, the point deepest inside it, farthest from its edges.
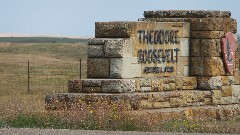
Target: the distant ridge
(36, 35)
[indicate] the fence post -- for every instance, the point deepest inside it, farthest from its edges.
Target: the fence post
(80, 69)
(28, 78)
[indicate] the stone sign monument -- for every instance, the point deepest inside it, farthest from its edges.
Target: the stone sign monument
(168, 59)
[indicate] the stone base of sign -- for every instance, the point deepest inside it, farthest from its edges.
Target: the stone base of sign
(147, 93)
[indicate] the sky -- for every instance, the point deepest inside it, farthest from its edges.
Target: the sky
(78, 17)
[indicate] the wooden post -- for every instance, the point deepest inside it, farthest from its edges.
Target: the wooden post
(80, 69)
(28, 78)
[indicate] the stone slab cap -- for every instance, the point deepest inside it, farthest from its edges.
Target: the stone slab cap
(123, 29)
(187, 14)
(202, 24)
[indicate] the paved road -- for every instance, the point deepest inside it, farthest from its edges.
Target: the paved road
(27, 131)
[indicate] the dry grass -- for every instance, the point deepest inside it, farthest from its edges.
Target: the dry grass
(50, 70)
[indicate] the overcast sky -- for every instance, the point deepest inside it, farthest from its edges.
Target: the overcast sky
(78, 17)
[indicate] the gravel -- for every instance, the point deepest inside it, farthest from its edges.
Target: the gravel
(28, 131)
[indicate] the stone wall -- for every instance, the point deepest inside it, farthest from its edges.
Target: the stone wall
(168, 59)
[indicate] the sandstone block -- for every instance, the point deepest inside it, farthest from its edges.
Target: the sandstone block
(209, 83)
(227, 100)
(159, 105)
(207, 34)
(211, 47)
(195, 47)
(157, 84)
(169, 87)
(228, 80)
(198, 97)
(123, 68)
(205, 47)
(184, 47)
(176, 102)
(145, 82)
(236, 93)
(202, 24)
(160, 97)
(213, 66)
(75, 86)
(92, 89)
(97, 41)
(184, 82)
(95, 51)
(187, 14)
(98, 68)
(144, 104)
(182, 67)
(129, 29)
(207, 94)
(196, 66)
(92, 82)
(118, 85)
(236, 76)
(231, 25)
(145, 89)
(118, 48)
(226, 91)
(216, 96)
(207, 101)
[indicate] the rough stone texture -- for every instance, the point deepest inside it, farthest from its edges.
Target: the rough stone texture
(202, 24)
(182, 66)
(207, 34)
(129, 29)
(236, 76)
(227, 100)
(195, 47)
(187, 14)
(92, 82)
(98, 68)
(196, 66)
(213, 66)
(123, 68)
(205, 47)
(236, 93)
(159, 105)
(118, 48)
(228, 80)
(211, 47)
(75, 86)
(210, 83)
(226, 91)
(92, 89)
(118, 86)
(95, 51)
(186, 83)
(216, 97)
(176, 102)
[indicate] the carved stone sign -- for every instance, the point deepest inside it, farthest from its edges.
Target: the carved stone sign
(154, 49)
(229, 47)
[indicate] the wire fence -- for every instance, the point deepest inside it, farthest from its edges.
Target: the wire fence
(33, 76)
(53, 77)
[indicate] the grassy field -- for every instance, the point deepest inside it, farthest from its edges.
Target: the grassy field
(51, 66)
